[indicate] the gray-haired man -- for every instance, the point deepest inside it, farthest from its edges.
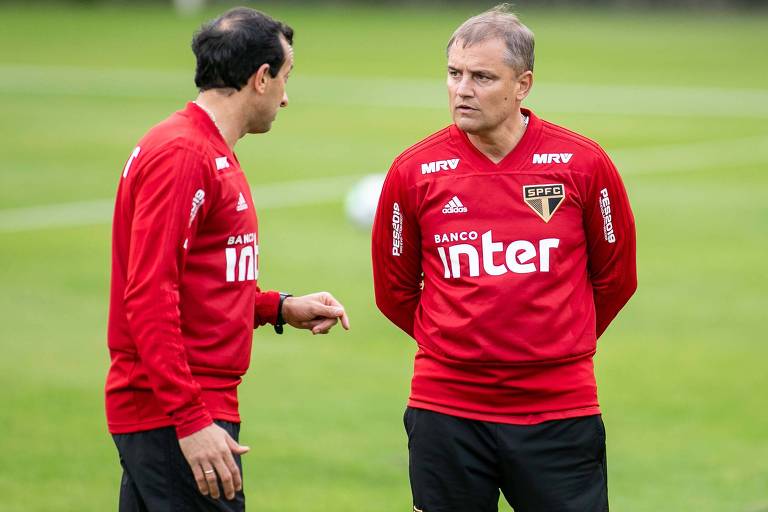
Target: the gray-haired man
(504, 245)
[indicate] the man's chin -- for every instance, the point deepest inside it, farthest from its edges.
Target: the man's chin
(470, 126)
(262, 128)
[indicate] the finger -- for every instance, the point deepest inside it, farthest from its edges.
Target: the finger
(327, 311)
(345, 321)
(236, 447)
(210, 479)
(307, 324)
(225, 478)
(324, 325)
(202, 484)
(237, 480)
(331, 301)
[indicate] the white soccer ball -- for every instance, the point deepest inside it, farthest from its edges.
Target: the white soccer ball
(362, 199)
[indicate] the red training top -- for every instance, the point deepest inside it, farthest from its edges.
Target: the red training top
(505, 274)
(184, 296)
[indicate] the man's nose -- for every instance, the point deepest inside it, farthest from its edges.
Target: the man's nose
(464, 87)
(284, 103)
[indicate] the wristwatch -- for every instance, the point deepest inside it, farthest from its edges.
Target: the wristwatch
(280, 322)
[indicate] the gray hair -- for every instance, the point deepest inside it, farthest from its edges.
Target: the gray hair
(499, 22)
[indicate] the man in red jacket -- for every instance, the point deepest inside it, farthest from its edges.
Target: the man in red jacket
(504, 245)
(184, 295)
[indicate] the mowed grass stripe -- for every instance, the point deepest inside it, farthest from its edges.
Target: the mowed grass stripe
(391, 92)
(692, 157)
(99, 211)
(696, 156)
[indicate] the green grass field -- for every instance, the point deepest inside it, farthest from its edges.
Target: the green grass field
(680, 100)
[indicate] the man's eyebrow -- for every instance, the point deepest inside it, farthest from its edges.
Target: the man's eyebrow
(475, 71)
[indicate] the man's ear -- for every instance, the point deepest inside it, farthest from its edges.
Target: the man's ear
(525, 83)
(259, 79)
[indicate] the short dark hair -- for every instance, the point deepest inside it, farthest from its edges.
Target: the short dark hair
(232, 47)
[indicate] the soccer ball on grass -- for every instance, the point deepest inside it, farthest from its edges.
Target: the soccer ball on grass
(362, 199)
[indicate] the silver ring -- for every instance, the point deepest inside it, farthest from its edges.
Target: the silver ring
(208, 472)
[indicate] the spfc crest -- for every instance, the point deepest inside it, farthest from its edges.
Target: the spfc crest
(544, 199)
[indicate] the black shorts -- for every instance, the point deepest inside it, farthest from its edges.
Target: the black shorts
(460, 465)
(157, 477)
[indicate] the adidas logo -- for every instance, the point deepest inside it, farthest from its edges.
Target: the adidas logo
(241, 204)
(454, 206)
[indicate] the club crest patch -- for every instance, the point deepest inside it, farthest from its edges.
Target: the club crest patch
(544, 199)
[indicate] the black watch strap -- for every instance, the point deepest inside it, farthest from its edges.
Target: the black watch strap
(280, 322)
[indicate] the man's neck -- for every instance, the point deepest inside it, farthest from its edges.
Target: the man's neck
(223, 111)
(498, 143)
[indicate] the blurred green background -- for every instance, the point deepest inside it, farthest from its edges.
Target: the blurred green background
(678, 98)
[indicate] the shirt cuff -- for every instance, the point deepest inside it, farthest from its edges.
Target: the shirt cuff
(265, 310)
(191, 420)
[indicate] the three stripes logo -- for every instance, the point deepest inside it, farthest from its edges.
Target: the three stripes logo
(242, 204)
(544, 199)
(454, 206)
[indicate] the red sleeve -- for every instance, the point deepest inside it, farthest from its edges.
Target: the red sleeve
(610, 229)
(265, 310)
(170, 192)
(396, 252)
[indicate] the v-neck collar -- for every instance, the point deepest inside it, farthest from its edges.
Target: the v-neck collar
(518, 155)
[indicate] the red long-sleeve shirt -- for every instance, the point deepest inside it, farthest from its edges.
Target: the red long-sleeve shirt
(505, 274)
(184, 296)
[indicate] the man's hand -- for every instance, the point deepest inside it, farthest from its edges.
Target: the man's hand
(209, 453)
(316, 311)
